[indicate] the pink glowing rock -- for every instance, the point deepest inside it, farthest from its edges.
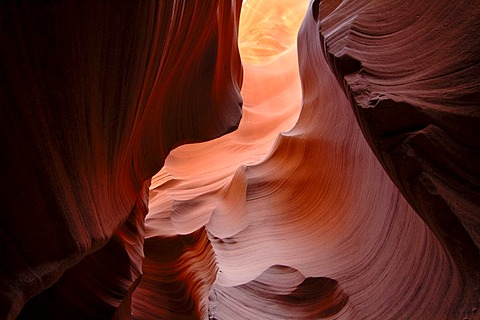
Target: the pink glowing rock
(278, 293)
(317, 201)
(349, 189)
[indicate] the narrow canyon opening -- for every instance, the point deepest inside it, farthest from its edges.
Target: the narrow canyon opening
(229, 159)
(290, 177)
(200, 193)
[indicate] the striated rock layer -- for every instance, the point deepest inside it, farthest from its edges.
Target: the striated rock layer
(312, 226)
(280, 292)
(205, 182)
(178, 272)
(94, 96)
(410, 70)
(349, 190)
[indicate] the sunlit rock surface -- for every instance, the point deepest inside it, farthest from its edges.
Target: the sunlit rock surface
(349, 190)
(317, 204)
(268, 28)
(205, 184)
(93, 97)
(279, 292)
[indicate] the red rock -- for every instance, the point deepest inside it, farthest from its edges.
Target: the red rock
(318, 202)
(411, 73)
(279, 292)
(178, 274)
(94, 96)
(349, 190)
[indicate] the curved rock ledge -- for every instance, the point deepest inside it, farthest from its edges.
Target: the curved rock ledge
(279, 293)
(318, 202)
(349, 190)
(177, 275)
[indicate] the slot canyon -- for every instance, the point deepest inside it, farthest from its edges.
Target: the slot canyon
(228, 159)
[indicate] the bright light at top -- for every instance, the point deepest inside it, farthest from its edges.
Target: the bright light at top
(269, 28)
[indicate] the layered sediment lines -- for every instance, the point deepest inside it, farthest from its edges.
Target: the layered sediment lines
(349, 190)
(317, 210)
(410, 70)
(196, 176)
(279, 292)
(178, 273)
(204, 184)
(94, 96)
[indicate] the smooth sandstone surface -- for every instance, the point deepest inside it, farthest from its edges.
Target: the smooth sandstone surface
(410, 70)
(317, 202)
(348, 190)
(93, 97)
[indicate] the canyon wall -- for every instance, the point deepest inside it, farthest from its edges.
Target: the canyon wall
(93, 97)
(410, 70)
(349, 189)
(318, 224)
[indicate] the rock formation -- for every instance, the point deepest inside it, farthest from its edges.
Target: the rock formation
(94, 95)
(416, 99)
(349, 190)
